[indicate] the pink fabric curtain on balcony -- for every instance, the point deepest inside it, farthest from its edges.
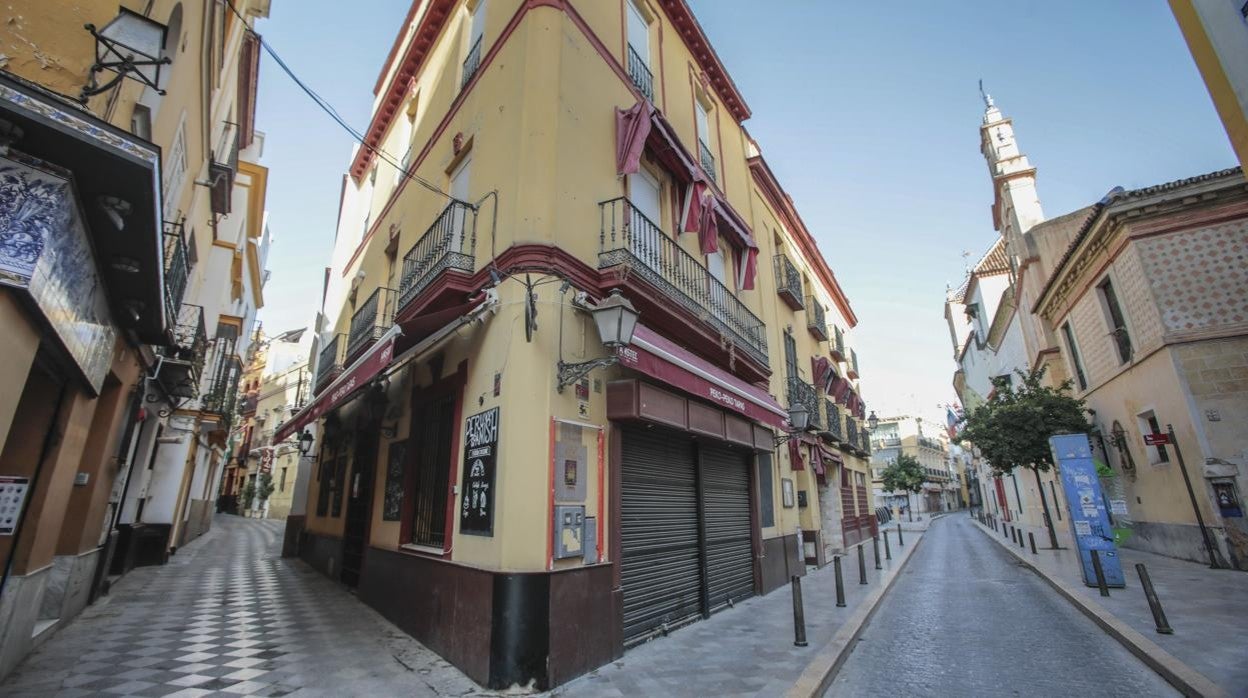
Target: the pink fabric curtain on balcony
(632, 128)
(816, 459)
(823, 372)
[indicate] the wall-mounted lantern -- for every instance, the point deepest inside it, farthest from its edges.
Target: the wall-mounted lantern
(799, 420)
(130, 46)
(616, 318)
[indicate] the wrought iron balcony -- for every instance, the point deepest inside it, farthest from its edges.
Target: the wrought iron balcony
(853, 364)
(249, 403)
(833, 428)
(628, 238)
(640, 73)
(447, 244)
(865, 442)
(176, 268)
(225, 370)
(788, 282)
(838, 344)
(331, 361)
(708, 161)
(183, 364)
(222, 169)
(471, 63)
(815, 320)
(370, 321)
(851, 431)
(802, 393)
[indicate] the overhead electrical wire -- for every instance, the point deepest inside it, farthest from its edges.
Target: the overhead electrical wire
(332, 112)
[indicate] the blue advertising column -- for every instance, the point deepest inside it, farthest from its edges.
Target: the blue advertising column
(1088, 518)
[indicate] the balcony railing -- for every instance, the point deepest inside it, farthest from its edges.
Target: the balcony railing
(803, 393)
(851, 431)
(865, 442)
(833, 427)
(184, 361)
(627, 237)
(222, 395)
(222, 169)
(838, 344)
(250, 401)
(853, 364)
(640, 73)
(887, 441)
(447, 244)
(331, 362)
(788, 282)
(370, 321)
(815, 320)
(176, 268)
(471, 63)
(708, 161)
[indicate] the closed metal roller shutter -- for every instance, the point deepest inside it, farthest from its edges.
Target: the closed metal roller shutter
(660, 568)
(726, 506)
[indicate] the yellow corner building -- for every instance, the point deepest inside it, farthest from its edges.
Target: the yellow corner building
(503, 462)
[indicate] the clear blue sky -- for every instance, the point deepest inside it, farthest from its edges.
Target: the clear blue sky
(867, 112)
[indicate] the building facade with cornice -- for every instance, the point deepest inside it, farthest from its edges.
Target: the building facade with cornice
(521, 498)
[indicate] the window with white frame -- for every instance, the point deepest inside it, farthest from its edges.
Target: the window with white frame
(638, 59)
(476, 30)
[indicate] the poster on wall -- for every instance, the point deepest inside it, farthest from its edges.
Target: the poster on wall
(1089, 517)
(392, 505)
(12, 498)
(476, 510)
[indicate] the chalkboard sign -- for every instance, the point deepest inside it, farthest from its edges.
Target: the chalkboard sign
(476, 511)
(392, 506)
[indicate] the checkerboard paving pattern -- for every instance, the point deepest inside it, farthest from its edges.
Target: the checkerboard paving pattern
(228, 617)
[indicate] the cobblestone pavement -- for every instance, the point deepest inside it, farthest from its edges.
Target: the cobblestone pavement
(227, 617)
(747, 650)
(965, 619)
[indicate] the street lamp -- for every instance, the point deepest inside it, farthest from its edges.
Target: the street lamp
(615, 318)
(799, 420)
(305, 443)
(873, 422)
(130, 46)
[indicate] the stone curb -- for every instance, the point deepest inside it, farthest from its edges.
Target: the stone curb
(1175, 672)
(819, 673)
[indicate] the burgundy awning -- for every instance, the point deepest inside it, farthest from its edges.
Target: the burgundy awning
(830, 456)
(397, 340)
(659, 357)
(632, 129)
(795, 455)
(345, 386)
(824, 373)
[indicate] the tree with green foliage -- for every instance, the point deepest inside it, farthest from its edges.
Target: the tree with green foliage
(1013, 427)
(248, 493)
(264, 488)
(904, 474)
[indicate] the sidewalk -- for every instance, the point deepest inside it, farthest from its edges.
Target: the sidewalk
(1206, 608)
(748, 650)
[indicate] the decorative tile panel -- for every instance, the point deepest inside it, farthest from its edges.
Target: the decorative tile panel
(1199, 277)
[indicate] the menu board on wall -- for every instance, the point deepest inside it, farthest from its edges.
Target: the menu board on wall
(476, 510)
(392, 506)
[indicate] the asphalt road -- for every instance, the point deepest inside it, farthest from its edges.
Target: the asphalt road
(964, 619)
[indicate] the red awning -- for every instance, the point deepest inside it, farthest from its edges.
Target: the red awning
(657, 356)
(830, 456)
(395, 342)
(345, 386)
(632, 128)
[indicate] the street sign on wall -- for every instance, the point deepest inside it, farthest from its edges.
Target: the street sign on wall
(1156, 439)
(1088, 517)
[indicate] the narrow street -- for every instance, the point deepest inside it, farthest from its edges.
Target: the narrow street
(228, 616)
(964, 619)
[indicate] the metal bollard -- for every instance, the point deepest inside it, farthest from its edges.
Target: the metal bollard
(862, 566)
(875, 543)
(901, 540)
(840, 585)
(1032, 537)
(1100, 573)
(1154, 604)
(799, 616)
(888, 552)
